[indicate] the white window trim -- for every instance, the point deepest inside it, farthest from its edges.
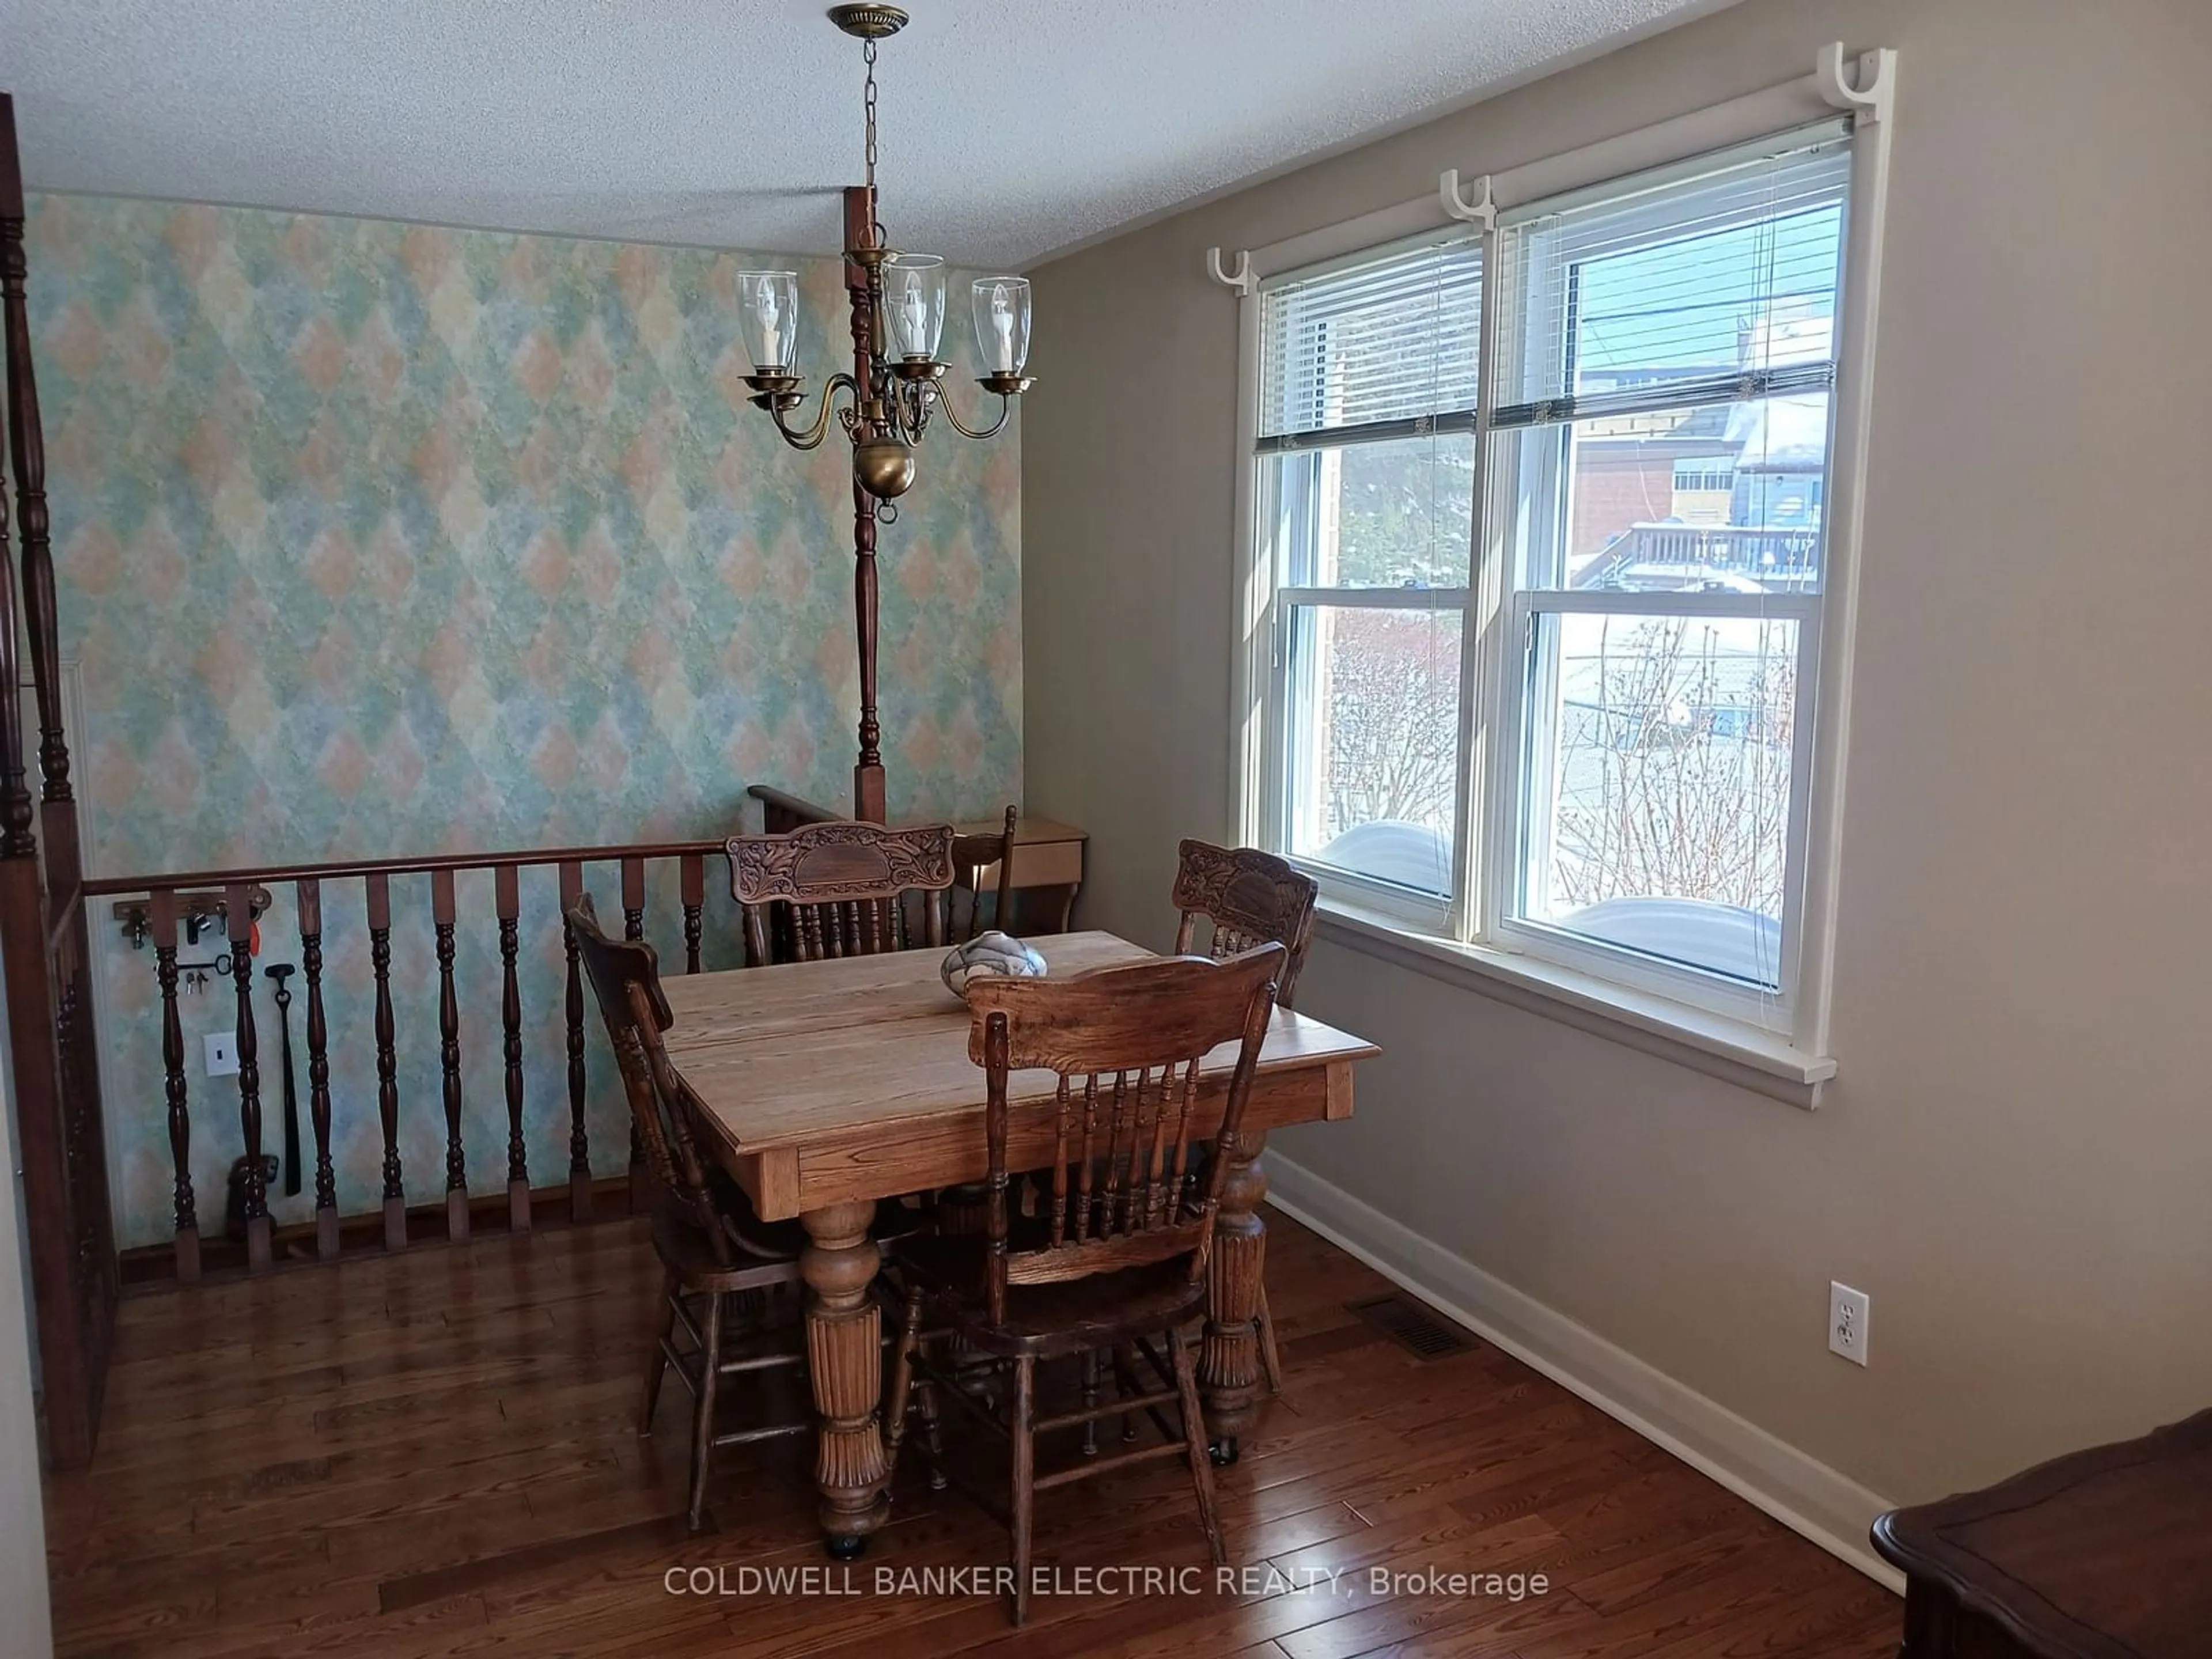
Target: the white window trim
(1710, 1043)
(1790, 1065)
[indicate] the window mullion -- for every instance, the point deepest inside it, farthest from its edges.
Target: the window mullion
(1478, 641)
(1527, 323)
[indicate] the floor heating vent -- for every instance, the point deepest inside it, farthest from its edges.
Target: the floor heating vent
(1420, 1332)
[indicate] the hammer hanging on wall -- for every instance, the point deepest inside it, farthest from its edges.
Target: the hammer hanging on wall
(280, 972)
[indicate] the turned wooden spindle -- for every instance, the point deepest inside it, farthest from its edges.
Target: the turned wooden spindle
(237, 912)
(633, 898)
(508, 883)
(16, 841)
(77, 1071)
(26, 448)
(387, 1064)
(162, 918)
(449, 1058)
(580, 1143)
(310, 892)
(693, 866)
(1087, 1121)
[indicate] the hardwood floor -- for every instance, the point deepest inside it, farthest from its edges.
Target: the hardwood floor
(434, 1454)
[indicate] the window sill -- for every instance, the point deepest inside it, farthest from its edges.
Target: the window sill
(1728, 1049)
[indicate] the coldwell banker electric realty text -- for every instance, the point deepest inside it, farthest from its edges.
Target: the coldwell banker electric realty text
(1114, 1580)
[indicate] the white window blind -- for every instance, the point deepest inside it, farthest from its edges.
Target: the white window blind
(1381, 347)
(1735, 300)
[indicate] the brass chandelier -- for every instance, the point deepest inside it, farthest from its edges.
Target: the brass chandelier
(898, 315)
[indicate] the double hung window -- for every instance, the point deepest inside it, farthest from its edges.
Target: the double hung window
(1542, 508)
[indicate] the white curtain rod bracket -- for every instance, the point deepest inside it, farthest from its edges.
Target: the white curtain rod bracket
(1869, 95)
(1482, 210)
(1241, 279)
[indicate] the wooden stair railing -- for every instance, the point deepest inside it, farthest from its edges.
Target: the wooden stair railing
(43, 937)
(782, 812)
(152, 909)
(46, 945)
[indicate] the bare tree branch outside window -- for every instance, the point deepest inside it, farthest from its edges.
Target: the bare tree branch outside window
(1672, 776)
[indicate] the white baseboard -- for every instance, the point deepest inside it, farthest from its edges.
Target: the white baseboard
(1804, 1494)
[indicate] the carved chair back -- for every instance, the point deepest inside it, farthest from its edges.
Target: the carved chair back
(841, 890)
(625, 976)
(973, 857)
(1126, 1045)
(1249, 897)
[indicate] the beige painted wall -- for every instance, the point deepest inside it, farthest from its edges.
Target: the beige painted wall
(2015, 1160)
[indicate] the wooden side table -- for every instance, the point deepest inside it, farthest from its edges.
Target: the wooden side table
(1048, 870)
(2103, 1554)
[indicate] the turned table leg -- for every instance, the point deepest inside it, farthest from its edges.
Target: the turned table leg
(1229, 1361)
(844, 1358)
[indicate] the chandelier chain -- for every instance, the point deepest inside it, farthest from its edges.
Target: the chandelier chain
(868, 53)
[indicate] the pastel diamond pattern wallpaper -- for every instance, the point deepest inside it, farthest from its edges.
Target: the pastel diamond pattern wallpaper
(377, 539)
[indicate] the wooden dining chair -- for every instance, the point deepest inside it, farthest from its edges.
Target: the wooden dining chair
(1120, 1259)
(974, 857)
(716, 1253)
(1246, 896)
(846, 889)
(960, 1209)
(841, 890)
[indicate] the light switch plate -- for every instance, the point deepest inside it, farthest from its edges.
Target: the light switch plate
(222, 1053)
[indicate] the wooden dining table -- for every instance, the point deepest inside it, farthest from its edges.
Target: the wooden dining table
(831, 1085)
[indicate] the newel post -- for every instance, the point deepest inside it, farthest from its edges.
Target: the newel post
(868, 773)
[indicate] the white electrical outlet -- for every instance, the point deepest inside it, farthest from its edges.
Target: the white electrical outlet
(1848, 1312)
(222, 1053)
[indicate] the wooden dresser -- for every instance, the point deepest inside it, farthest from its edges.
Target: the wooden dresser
(2103, 1554)
(1048, 870)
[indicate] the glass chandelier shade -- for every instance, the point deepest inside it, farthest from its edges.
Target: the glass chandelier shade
(1002, 323)
(768, 314)
(914, 305)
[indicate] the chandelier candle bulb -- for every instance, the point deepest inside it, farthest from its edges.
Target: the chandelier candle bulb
(1002, 323)
(916, 286)
(767, 313)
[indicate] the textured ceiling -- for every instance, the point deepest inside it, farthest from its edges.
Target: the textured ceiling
(1011, 128)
